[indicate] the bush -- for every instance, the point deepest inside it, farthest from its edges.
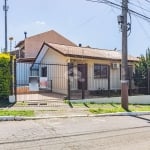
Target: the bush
(141, 72)
(5, 76)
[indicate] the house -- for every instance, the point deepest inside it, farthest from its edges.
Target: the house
(30, 46)
(96, 68)
(27, 50)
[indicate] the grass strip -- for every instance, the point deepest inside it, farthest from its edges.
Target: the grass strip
(27, 113)
(111, 107)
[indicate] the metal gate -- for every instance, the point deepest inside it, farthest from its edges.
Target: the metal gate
(40, 82)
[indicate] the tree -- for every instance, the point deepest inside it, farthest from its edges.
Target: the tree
(141, 70)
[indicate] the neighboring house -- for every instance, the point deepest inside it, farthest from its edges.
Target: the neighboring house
(19, 51)
(100, 67)
(30, 46)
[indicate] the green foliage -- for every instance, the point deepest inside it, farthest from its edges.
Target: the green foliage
(109, 108)
(5, 76)
(28, 113)
(141, 70)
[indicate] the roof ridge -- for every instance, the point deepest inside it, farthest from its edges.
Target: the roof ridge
(83, 47)
(52, 31)
(61, 44)
(39, 34)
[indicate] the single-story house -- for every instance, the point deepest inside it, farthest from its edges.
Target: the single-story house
(100, 67)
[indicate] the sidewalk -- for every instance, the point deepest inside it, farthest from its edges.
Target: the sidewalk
(61, 111)
(55, 109)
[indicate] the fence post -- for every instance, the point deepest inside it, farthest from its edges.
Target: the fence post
(51, 86)
(11, 72)
(148, 81)
(83, 81)
(68, 68)
(130, 76)
(15, 79)
(108, 81)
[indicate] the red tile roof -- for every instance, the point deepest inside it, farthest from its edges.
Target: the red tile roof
(86, 52)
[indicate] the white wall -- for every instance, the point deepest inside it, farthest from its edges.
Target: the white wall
(58, 74)
(93, 83)
(115, 82)
(140, 99)
(101, 83)
(57, 70)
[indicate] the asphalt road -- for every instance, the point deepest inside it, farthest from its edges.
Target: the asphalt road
(86, 133)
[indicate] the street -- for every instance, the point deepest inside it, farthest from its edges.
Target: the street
(85, 133)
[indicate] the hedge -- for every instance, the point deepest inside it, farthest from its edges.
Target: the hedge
(5, 76)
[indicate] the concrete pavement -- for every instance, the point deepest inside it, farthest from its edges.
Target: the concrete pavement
(82, 133)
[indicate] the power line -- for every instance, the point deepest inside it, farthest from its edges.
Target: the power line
(147, 1)
(134, 13)
(139, 6)
(142, 27)
(107, 2)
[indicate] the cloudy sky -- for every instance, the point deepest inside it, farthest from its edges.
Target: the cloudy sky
(81, 21)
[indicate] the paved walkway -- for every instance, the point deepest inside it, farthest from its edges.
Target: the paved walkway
(41, 96)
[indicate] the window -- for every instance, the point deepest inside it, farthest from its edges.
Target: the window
(44, 72)
(100, 71)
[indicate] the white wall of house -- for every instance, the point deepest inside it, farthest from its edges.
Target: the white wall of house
(115, 78)
(95, 83)
(56, 71)
(100, 83)
(58, 74)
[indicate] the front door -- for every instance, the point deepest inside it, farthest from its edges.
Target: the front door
(82, 76)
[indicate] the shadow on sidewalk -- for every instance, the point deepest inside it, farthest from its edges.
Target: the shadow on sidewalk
(143, 118)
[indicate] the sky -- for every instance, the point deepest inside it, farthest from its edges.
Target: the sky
(81, 21)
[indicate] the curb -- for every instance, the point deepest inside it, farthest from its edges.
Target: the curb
(20, 118)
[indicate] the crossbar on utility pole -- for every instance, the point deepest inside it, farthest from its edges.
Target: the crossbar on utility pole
(124, 62)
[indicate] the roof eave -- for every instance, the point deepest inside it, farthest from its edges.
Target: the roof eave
(92, 57)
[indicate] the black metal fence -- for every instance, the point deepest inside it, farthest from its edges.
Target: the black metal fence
(74, 81)
(50, 81)
(84, 85)
(142, 83)
(41, 81)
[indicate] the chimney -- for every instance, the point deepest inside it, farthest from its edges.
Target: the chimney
(25, 35)
(80, 45)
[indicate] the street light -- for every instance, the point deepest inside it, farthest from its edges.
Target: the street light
(11, 39)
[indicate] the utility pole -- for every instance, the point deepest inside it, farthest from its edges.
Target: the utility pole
(5, 8)
(124, 62)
